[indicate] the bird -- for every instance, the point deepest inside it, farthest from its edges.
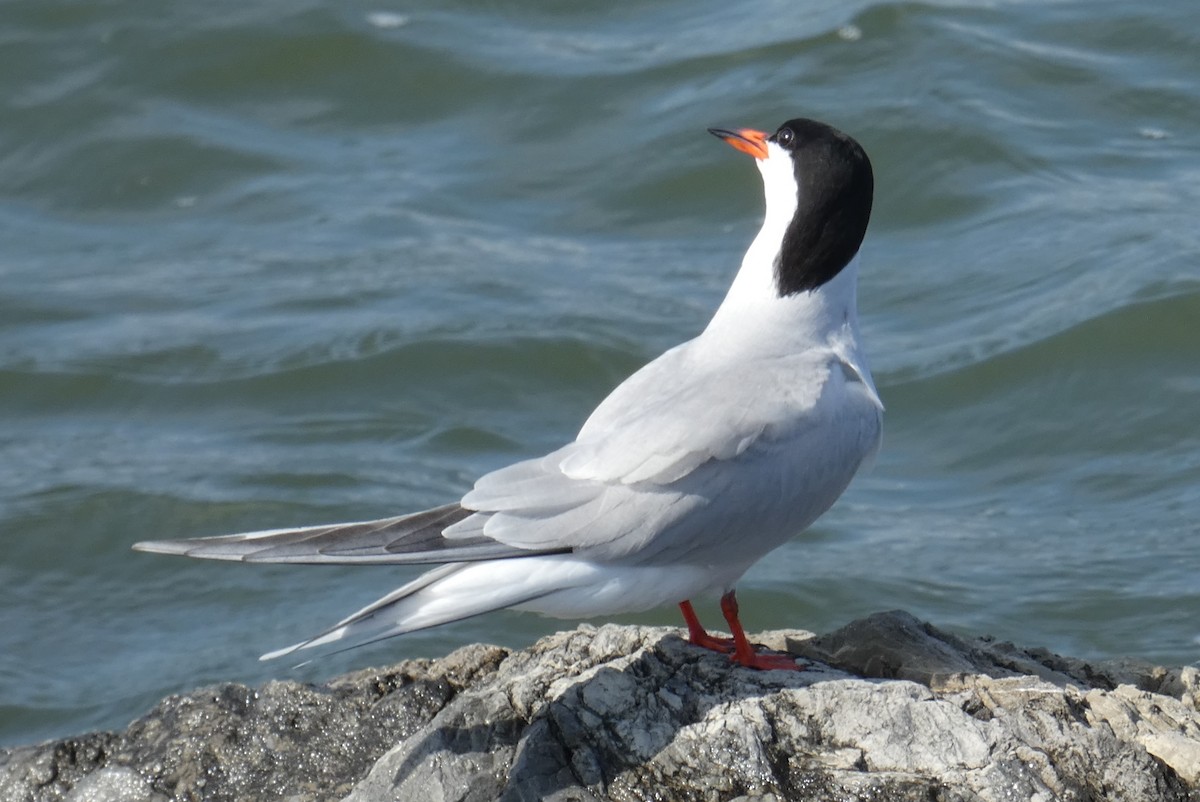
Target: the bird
(695, 467)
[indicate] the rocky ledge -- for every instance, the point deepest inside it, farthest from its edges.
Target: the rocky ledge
(890, 709)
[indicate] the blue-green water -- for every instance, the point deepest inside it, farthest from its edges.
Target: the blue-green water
(287, 263)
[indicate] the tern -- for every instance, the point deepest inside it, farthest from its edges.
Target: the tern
(689, 472)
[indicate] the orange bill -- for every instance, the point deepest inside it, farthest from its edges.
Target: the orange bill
(747, 140)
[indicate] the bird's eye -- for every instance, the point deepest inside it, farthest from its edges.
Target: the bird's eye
(785, 136)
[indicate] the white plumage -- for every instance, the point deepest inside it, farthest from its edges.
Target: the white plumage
(686, 474)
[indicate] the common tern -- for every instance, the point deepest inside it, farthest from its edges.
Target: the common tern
(689, 472)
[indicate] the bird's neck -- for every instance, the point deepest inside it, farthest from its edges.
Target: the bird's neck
(754, 316)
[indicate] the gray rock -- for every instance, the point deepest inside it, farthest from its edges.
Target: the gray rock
(890, 708)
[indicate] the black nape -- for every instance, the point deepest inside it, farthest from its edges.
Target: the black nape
(835, 187)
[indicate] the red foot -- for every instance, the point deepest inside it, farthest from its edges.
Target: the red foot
(769, 661)
(698, 636)
(739, 648)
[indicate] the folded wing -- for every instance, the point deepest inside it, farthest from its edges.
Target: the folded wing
(413, 539)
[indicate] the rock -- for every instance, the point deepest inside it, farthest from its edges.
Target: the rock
(890, 708)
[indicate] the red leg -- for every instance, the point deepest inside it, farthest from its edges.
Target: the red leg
(697, 634)
(744, 652)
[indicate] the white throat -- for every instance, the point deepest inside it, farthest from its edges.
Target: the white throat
(754, 284)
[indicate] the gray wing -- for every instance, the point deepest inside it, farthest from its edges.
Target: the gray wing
(415, 538)
(633, 474)
(672, 440)
(673, 416)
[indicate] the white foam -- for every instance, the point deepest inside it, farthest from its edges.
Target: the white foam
(387, 19)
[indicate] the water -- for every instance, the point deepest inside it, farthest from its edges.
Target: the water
(286, 263)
